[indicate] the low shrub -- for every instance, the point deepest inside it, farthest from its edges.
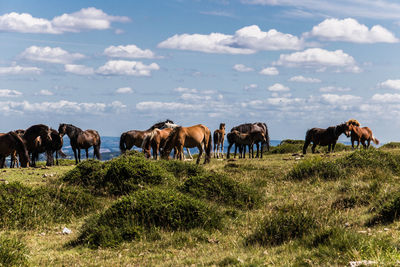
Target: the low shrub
(182, 169)
(12, 252)
(286, 224)
(143, 211)
(315, 167)
(222, 189)
(292, 142)
(284, 148)
(87, 174)
(22, 207)
(391, 145)
(387, 209)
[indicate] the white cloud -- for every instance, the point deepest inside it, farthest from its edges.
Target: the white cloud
(185, 90)
(390, 84)
(369, 9)
(302, 79)
(242, 68)
(85, 19)
(328, 89)
(277, 87)
(124, 90)
(269, 71)
(78, 69)
(340, 99)
(9, 93)
(246, 40)
(156, 105)
(60, 107)
(46, 92)
(386, 98)
(128, 51)
(349, 30)
(319, 58)
(19, 70)
(124, 67)
(49, 54)
(250, 86)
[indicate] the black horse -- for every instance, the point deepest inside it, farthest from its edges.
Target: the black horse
(30, 138)
(80, 139)
(325, 137)
(254, 127)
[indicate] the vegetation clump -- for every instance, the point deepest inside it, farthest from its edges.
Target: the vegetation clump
(222, 189)
(315, 167)
(12, 252)
(145, 210)
(23, 207)
(86, 173)
(391, 145)
(287, 223)
(284, 148)
(182, 169)
(387, 210)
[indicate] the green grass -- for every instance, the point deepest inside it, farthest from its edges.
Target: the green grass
(282, 210)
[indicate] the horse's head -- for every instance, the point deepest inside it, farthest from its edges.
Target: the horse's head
(343, 128)
(62, 129)
(222, 126)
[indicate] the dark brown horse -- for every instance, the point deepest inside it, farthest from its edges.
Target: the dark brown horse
(54, 146)
(10, 143)
(133, 138)
(245, 139)
(254, 127)
(80, 139)
(219, 136)
(195, 136)
(361, 134)
(325, 137)
(30, 136)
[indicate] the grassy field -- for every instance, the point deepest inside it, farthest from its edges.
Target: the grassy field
(283, 210)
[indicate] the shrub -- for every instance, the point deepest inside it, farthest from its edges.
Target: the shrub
(292, 142)
(288, 223)
(222, 189)
(286, 148)
(315, 167)
(12, 252)
(87, 174)
(27, 208)
(182, 169)
(387, 209)
(391, 145)
(145, 210)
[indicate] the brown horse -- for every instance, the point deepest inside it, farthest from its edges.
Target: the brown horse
(80, 139)
(245, 139)
(219, 136)
(251, 127)
(195, 136)
(155, 140)
(133, 138)
(55, 145)
(10, 143)
(30, 135)
(361, 134)
(325, 137)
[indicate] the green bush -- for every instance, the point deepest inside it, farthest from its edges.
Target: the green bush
(12, 252)
(182, 169)
(145, 210)
(22, 207)
(315, 167)
(292, 142)
(391, 145)
(286, 224)
(387, 209)
(87, 174)
(284, 148)
(222, 189)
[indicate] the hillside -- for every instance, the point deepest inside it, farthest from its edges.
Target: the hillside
(323, 209)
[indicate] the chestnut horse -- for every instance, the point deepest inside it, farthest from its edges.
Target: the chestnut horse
(219, 136)
(245, 139)
(133, 138)
(195, 136)
(80, 139)
(361, 134)
(9, 143)
(325, 137)
(155, 140)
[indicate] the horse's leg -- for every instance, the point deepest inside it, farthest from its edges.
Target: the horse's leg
(229, 150)
(75, 155)
(313, 148)
(188, 151)
(236, 147)
(200, 147)
(215, 149)
(333, 147)
(79, 154)
(368, 143)
(222, 148)
(306, 144)
(56, 157)
(2, 161)
(329, 148)
(87, 153)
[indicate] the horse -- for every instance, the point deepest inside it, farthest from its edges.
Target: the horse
(50, 147)
(325, 137)
(9, 143)
(219, 136)
(195, 136)
(31, 134)
(250, 127)
(361, 134)
(243, 140)
(155, 140)
(133, 138)
(173, 125)
(80, 139)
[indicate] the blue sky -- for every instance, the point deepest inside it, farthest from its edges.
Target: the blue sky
(121, 65)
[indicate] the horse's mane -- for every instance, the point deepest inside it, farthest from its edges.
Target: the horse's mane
(34, 129)
(353, 122)
(172, 135)
(160, 124)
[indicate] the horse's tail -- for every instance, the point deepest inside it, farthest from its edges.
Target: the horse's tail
(21, 148)
(61, 153)
(96, 149)
(208, 147)
(267, 136)
(122, 146)
(307, 141)
(376, 141)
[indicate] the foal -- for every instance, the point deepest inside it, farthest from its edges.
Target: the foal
(219, 136)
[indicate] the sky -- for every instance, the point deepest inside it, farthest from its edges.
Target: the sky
(115, 66)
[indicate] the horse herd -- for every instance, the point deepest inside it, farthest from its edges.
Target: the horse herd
(163, 137)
